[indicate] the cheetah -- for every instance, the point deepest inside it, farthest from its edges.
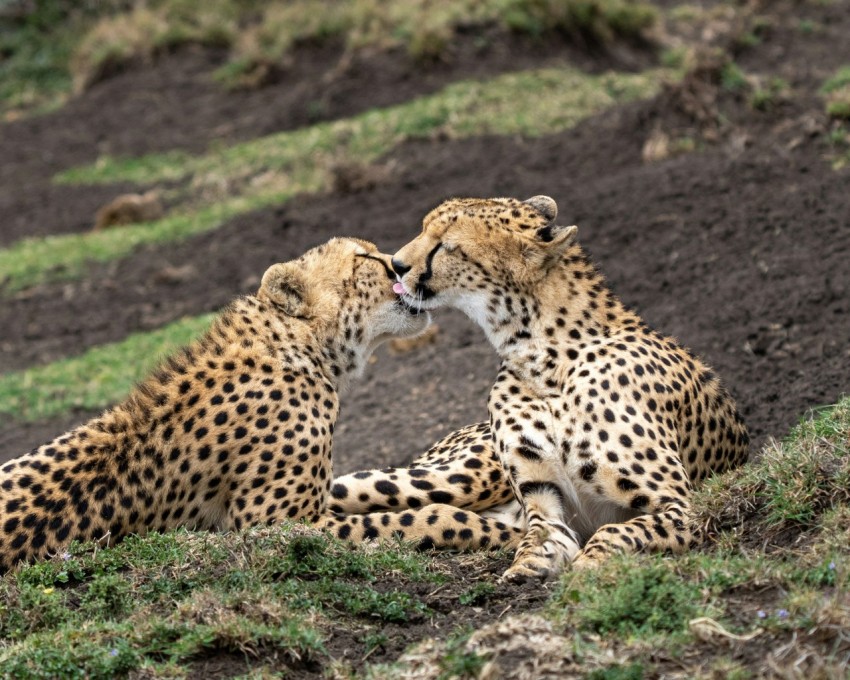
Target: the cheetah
(236, 430)
(603, 425)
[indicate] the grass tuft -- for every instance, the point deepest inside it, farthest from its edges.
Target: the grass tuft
(837, 92)
(105, 612)
(789, 487)
(226, 182)
(101, 376)
(641, 600)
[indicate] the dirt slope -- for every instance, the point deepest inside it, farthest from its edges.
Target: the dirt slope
(739, 251)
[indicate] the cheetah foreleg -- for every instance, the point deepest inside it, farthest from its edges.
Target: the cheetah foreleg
(668, 529)
(550, 544)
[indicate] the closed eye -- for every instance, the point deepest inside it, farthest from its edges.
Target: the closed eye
(390, 273)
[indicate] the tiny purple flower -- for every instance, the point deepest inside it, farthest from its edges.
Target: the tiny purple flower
(782, 613)
(113, 652)
(832, 566)
(761, 614)
(66, 556)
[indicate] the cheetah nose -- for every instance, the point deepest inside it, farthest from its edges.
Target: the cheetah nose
(399, 267)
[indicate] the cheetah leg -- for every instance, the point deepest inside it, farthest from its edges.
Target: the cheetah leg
(461, 470)
(549, 544)
(666, 529)
(435, 526)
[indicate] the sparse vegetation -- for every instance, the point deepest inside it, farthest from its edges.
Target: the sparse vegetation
(262, 34)
(837, 92)
(36, 42)
(767, 95)
(246, 176)
(101, 376)
(159, 601)
(733, 78)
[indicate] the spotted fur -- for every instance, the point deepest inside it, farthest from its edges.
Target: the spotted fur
(237, 429)
(603, 424)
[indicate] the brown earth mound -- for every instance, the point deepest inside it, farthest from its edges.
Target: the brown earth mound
(740, 251)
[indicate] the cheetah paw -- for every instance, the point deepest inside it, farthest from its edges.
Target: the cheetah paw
(543, 554)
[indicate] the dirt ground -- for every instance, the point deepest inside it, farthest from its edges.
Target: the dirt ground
(739, 250)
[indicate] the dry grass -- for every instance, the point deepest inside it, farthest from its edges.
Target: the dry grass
(262, 33)
(787, 490)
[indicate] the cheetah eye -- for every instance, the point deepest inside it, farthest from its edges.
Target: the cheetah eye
(389, 272)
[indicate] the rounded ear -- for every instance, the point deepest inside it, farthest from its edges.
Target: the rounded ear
(545, 205)
(286, 286)
(552, 241)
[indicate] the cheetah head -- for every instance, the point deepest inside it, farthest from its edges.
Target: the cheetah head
(470, 247)
(343, 291)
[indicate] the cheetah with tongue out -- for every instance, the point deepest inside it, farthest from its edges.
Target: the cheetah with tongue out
(603, 425)
(237, 430)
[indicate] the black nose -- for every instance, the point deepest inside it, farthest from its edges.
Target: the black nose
(399, 267)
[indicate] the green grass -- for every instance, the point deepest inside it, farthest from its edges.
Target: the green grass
(269, 170)
(60, 258)
(59, 45)
(98, 378)
(646, 601)
(836, 89)
(839, 80)
(767, 95)
(36, 48)
(529, 103)
(791, 484)
(159, 602)
(262, 34)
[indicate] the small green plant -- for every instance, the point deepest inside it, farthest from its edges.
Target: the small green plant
(374, 640)
(732, 78)
(837, 92)
(674, 57)
(808, 26)
(459, 662)
(767, 96)
(107, 595)
(633, 671)
(477, 594)
(642, 600)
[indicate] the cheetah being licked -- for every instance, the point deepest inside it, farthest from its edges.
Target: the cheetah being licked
(237, 429)
(602, 424)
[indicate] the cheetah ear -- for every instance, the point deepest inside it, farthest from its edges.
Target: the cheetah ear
(545, 205)
(286, 286)
(552, 241)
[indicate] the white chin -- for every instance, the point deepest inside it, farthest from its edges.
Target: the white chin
(417, 304)
(417, 324)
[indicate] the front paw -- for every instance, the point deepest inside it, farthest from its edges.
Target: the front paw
(544, 553)
(528, 570)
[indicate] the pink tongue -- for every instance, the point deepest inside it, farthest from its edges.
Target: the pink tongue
(398, 289)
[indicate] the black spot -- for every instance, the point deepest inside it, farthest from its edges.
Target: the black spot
(587, 471)
(441, 497)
